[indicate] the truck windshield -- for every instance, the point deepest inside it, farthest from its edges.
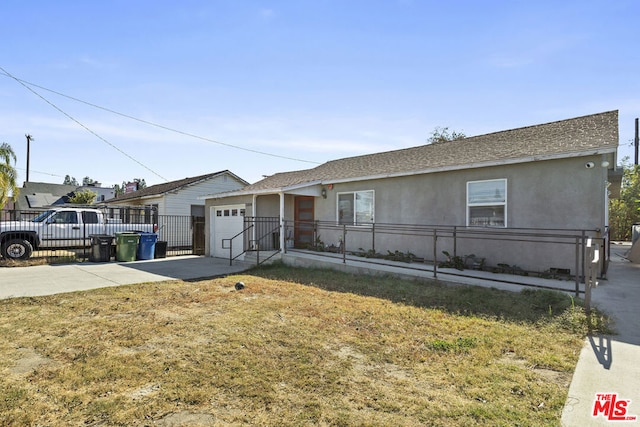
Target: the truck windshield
(42, 216)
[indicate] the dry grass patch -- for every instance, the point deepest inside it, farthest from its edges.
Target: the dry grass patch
(295, 347)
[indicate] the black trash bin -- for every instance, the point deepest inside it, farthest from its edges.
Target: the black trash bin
(100, 247)
(161, 249)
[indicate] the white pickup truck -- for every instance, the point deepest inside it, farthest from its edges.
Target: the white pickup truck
(60, 228)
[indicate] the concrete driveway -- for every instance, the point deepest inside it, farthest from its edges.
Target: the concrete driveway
(53, 279)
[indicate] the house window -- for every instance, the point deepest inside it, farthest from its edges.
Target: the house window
(487, 203)
(356, 208)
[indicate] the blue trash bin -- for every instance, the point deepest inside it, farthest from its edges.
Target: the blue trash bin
(147, 245)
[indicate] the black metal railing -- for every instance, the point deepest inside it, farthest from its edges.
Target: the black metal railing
(267, 237)
(547, 253)
(239, 238)
(265, 233)
(259, 235)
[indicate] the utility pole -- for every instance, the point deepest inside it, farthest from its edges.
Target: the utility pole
(29, 139)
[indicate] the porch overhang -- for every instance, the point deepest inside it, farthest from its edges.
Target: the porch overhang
(313, 188)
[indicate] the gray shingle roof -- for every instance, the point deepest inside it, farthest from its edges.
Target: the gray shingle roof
(159, 189)
(565, 138)
(35, 195)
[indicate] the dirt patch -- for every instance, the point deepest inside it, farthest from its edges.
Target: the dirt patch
(563, 379)
(186, 418)
(145, 391)
(28, 361)
(361, 364)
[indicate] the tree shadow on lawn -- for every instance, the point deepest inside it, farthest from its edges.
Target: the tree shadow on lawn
(529, 305)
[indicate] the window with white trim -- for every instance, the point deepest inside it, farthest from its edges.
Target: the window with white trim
(356, 208)
(487, 203)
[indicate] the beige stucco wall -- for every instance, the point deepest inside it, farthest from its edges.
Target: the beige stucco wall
(546, 194)
(561, 194)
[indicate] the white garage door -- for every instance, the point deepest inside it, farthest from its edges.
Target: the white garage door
(226, 222)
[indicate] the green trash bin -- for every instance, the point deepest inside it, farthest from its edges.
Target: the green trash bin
(127, 246)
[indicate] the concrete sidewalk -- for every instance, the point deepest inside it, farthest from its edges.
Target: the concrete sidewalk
(610, 364)
(54, 279)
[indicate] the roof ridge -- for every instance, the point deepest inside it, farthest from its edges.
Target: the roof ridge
(468, 139)
(165, 187)
(539, 125)
(589, 133)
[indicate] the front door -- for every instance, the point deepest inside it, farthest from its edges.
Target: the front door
(303, 229)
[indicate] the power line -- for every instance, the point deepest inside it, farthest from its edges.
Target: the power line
(82, 125)
(40, 172)
(147, 122)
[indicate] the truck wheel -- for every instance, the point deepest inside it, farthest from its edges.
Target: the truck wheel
(17, 249)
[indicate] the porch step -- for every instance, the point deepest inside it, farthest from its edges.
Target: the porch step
(251, 257)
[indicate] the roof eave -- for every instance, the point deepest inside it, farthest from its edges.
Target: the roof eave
(262, 192)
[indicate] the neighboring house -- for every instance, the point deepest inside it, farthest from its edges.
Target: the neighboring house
(547, 176)
(102, 193)
(181, 198)
(36, 196)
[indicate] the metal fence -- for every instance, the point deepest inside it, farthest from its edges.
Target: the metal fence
(547, 253)
(69, 237)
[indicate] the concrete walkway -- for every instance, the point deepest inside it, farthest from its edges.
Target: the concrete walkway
(610, 364)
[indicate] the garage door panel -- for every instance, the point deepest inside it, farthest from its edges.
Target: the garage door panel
(228, 222)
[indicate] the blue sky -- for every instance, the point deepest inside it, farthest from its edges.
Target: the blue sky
(295, 83)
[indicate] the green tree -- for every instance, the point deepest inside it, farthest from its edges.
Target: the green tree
(625, 211)
(69, 180)
(8, 174)
(440, 134)
(84, 197)
(88, 181)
